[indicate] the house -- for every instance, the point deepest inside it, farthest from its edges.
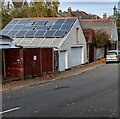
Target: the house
(64, 35)
(107, 25)
(91, 44)
(77, 13)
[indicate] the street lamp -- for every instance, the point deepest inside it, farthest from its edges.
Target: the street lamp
(116, 13)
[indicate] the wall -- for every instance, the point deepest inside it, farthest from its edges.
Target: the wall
(100, 53)
(25, 63)
(70, 40)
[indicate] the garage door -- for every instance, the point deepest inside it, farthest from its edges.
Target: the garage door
(76, 56)
(62, 61)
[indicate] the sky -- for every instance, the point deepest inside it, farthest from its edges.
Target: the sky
(97, 7)
(92, 7)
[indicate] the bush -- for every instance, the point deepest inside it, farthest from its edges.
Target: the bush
(102, 38)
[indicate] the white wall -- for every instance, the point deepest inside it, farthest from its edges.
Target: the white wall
(71, 40)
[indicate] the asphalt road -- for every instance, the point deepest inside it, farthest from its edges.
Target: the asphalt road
(93, 93)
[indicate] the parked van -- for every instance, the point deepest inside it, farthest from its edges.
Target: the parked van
(113, 56)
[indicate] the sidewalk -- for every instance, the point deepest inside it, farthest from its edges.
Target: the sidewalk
(15, 85)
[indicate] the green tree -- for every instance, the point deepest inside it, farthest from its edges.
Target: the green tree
(102, 38)
(6, 17)
(118, 28)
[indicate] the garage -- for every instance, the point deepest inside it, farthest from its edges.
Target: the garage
(76, 53)
(63, 60)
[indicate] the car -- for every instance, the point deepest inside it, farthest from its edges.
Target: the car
(113, 56)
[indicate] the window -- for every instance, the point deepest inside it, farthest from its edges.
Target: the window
(77, 40)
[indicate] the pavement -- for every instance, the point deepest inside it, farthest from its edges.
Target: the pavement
(16, 85)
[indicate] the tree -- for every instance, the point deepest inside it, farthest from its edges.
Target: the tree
(40, 8)
(102, 38)
(118, 28)
(6, 17)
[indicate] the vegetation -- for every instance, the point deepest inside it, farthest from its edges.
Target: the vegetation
(38, 9)
(102, 38)
(118, 27)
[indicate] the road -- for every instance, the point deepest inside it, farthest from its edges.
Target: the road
(93, 93)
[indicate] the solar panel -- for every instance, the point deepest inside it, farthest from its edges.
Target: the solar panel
(4, 32)
(69, 21)
(30, 33)
(14, 21)
(17, 27)
(21, 33)
(49, 33)
(60, 33)
(8, 27)
(40, 33)
(56, 27)
(50, 23)
(28, 27)
(42, 27)
(12, 33)
(43, 22)
(66, 27)
(60, 21)
(22, 22)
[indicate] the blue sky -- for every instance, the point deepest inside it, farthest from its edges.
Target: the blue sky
(90, 7)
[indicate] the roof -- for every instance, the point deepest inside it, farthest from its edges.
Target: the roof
(5, 37)
(39, 32)
(81, 14)
(89, 35)
(98, 24)
(38, 27)
(37, 42)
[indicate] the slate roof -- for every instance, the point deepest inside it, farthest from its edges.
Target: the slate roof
(81, 14)
(99, 24)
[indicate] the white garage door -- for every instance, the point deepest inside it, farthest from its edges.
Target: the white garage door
(76, 56)
(62, 60)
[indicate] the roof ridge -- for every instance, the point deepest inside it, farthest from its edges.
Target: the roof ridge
(37, 18)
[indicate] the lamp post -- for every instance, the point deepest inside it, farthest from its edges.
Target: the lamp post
(116, 13)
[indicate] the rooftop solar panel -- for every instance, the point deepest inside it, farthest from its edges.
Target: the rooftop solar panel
(21, 33)
(49, 33)
(56, 27)
(42, 22)
(50, 23)
(14, 21)
(40, 33)
(17, 27)
(12, 33)
(8, 27)
(4, 32)
(69, 21)
(66, 27)
(60, 33)
(60, 21)
(42, 27)
(28, 27)
(22, 21)
(30, 33)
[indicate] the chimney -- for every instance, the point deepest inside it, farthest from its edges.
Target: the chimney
(104, 15)
(69, 10)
